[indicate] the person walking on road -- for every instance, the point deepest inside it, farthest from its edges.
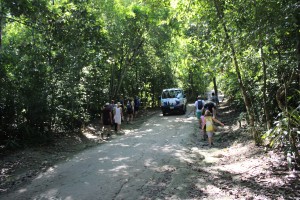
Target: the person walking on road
(106, 120)
(137, 104)
(130, 110)
(203, 130)
(199, 104)
(118, 113)
(215, 99)
(211, 106)
(209, 126)
(112, 107)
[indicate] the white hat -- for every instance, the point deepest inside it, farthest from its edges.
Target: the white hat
(107, 104)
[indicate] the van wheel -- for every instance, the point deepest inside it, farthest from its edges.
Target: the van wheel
(164, 114)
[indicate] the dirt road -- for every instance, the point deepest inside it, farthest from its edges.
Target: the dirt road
(163, 158)
(151, 162)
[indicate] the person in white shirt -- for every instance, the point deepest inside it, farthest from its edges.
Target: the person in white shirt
(199, 104)
(118, 114)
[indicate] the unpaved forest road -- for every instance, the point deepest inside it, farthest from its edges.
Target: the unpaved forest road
(162, 159)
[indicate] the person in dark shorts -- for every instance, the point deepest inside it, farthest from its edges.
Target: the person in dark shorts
(129, 110)
(211, 106)
(106, 120)
(215, 99)
(112, 108)
(137, 104)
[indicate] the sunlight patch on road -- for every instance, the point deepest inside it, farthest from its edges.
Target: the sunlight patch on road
(212, 190)
(146, 131)
(165, 168)
(166, 148)
(48, 173)
(137, 145)
(22, 190)
(120, 159)
(127, 131)
(119, 168)
(185, 120)
(104, 158)
(181, 155)
(151, 124)
(149, 163)
(119, 145)
(48, 194)
(208, 157)
(89, 135)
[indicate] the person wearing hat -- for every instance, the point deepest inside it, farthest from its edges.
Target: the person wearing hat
(118, 114)
(106, 120)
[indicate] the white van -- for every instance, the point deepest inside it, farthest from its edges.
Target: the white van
(173, 100)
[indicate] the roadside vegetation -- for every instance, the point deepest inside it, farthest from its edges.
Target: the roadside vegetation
(61, 60)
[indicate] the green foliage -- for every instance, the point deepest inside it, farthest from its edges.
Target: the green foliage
(285, 133)
(62, 60)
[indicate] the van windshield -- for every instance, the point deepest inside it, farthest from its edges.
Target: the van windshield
(171, 94)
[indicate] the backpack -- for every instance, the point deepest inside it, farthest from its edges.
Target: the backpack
(129, 106)
(200, 104)
(138, 103)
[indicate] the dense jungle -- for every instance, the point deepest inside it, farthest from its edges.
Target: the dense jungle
(61, 61)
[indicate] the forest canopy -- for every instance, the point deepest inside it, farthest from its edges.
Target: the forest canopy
(61, 60)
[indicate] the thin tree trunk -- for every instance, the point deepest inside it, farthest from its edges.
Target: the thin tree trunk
(191, 81)
(127, 64)
(266, 109)
(280, 93)
(215, 87)
(297, 16)
(112, 81)
(246, 97)
(1, 11)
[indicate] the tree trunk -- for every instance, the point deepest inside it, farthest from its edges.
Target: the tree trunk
(215, 87)
(297, 17)
(128, 62)
(246, 96)
(280, 94)
(2, 13)
(111, 84)
(266, 109)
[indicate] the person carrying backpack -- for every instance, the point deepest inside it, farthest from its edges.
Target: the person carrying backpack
(137, 104)
(107, 120)
(199, 104)
(129, 110)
